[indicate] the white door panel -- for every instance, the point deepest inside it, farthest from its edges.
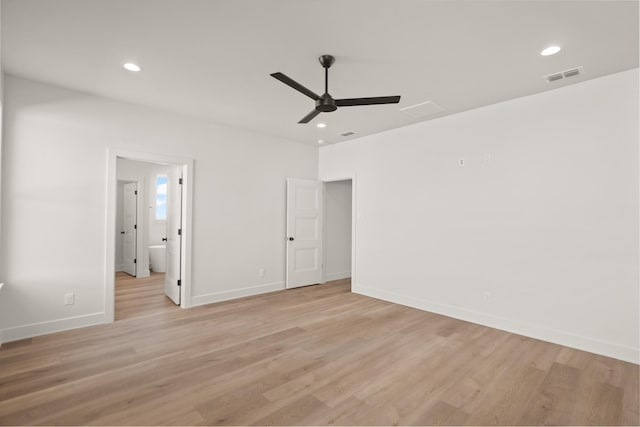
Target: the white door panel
(174, 236)
(304, 232)
(130, 228)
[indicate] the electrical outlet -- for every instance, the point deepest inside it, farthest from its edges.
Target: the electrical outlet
(461, 162)
(69, 298)
(487, 297)
(261, 272)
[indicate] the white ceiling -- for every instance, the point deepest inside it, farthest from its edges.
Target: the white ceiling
(212, 58)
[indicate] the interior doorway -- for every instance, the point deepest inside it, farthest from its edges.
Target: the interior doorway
(148, 216)
(148, 244)
(338, 222)
(320, 231)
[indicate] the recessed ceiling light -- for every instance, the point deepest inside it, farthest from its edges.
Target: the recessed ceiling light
(321, 125)
(321, 141)
(132, 67)
(551, 50)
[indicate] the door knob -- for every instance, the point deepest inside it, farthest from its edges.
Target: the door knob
(122, 232)
(291, 239)
(164, 239)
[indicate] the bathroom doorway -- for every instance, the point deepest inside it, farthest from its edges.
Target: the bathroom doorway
(145, 209)
(149, 220)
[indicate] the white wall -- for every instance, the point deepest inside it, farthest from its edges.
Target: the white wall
(54, 211)
(1, 133)
(542, 221)
(337, 235)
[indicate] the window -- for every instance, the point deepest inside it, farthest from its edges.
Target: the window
(161, 198)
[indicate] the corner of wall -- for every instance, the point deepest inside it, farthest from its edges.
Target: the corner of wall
(338, 276)
(1, 332)
(1, 133)
(592, 345)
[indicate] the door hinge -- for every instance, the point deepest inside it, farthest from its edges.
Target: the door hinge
(180, 181)
(179, 231)
(135, 261)
(179, 282)
(135, 226)
(135, 192)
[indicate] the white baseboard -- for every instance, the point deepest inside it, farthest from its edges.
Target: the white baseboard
(592, 345)
(236, 293)
(337, 276)
(42, 328)
(119, 267)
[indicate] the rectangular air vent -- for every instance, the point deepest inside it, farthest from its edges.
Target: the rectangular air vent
(423, 109)
(571, 73)
(554, 77)
(564, 74)
(347, 133)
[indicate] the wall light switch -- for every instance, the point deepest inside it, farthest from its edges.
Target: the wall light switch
(461, 162)
(69, 298)
(261, 272)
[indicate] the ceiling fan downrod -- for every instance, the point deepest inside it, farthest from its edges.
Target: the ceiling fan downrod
(326, 103)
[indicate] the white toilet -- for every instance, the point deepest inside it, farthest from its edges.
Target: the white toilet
(157, 258)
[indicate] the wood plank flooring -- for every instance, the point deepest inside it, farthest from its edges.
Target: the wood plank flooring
(140, 296)
(318, 355)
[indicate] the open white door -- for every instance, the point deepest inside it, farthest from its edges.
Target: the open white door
(304, 232)
(174, 235)
(129, 226)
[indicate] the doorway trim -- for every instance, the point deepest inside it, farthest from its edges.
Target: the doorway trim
(354, 220)
(187, 216)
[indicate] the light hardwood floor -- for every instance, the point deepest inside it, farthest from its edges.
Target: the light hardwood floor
(140, 297)
(310, 356)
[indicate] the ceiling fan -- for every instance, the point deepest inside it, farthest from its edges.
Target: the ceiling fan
(326, 103)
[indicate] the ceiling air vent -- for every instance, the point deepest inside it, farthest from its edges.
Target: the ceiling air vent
(554, 77)
(564, 74)
(423, 109)
(571, 73)
(347, 133)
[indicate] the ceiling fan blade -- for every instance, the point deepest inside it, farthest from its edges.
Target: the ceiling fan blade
(310, 116)
(294, 84)
(348, 102)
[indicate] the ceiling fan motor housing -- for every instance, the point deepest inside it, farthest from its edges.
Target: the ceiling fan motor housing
(326, 104)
